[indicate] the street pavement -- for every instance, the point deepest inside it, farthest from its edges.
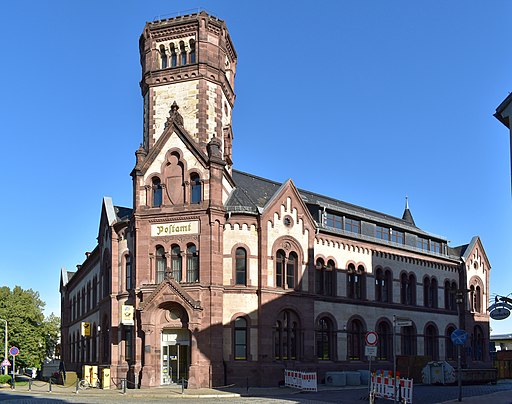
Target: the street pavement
(39, 393)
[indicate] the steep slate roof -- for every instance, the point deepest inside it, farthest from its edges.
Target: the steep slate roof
(122, 213)
(252, 193)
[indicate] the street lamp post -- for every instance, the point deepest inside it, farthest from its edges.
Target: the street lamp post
(5, 353)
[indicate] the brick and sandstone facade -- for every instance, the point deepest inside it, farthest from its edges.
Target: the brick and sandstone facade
(216, 276)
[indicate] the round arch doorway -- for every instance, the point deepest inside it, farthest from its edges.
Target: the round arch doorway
(175, 347)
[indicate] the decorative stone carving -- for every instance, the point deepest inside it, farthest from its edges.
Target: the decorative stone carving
(174, 115)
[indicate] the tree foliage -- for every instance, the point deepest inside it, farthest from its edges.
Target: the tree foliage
(28, 329)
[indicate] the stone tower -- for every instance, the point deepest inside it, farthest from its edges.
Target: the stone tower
(189, 60)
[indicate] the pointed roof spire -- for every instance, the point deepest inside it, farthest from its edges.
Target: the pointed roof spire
(407, 216)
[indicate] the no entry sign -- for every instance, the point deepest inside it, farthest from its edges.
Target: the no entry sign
(371, 338)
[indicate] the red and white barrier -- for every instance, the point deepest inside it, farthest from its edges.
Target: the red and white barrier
(306, 381)
(383, 386)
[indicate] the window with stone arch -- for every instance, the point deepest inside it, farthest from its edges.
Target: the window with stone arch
(128, 271)
(408, 340)
(192, 263)
(183, 54)
(356, 282)
(355, 339)
(431, 342)
(287, 342)
(478, 343)
(408, 289)
(196, 189)
(450, 348)
(325, 339)
(325, 277)
(240, 338)
(475, 295)
(176, 263)
(286, 269)
(163, 57)
(174, 58)
(430, 292)
(157, 196)
(450, 289)
(383, 285)
(240, 266)
(160, 264)
(192, 52)
(385, 341)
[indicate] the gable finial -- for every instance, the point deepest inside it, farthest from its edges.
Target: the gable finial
(174, 115)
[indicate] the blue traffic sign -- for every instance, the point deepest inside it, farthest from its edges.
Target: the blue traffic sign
(459, 336)
(13, 351)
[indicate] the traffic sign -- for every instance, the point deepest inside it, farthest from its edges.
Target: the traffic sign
(5, 362)
(371, 338)
(459, 336)
(370, 350)
(403, 322)
(13, 351)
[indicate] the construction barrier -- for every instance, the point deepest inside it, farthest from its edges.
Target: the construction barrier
(306, 381)
(383, 386)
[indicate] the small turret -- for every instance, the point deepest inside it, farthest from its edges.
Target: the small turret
(407, 216)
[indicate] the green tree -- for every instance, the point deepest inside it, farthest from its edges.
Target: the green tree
(28, 329)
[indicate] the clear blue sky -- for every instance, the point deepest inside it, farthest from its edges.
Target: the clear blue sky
(365, 101)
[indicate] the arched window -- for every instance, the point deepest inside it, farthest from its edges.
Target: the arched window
(426, 292)
(478, 299)
(451, 350)
(128, 271)
(163, 57)
(286, 336)
(241, 266)
(384, 342)
(240, 338)
(477, 345)
(379, 285)
(176, 262)
(192, 264)
(192, 53)
(408, 289)
(195, 189)
(157, 192)
(433, 292)
(387, 289)
(355, 282)
(291, 270)
(324, 339)
(161, 264)
(431, 345)
(355, 340)
(280, 261)
(330, 278)
(408, 341)
(319, 276)
(174, 58)
(183, 54)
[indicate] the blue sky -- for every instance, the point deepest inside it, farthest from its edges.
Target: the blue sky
(365, 101)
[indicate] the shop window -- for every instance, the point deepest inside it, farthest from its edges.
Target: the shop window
(161, 264)
(241, 266)
(324, 339)
(192, 264)
(176, 262)
(240, 338)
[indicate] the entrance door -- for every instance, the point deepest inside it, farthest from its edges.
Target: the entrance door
(175, 356)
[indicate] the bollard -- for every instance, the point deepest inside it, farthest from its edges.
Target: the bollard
(77, 386)
(182, 386)
(123, 385)
(50, 386)
(13, 385)
(247, 385)
(30, 384)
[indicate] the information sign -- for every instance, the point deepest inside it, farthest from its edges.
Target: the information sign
(370, 350)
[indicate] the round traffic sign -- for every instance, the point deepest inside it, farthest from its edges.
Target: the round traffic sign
(459, 336)
(13, 351)
(371, 338)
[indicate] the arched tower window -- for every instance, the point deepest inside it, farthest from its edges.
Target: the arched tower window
(280, 268)
(174, 57)
(176, 262)
(161, 264)
(240, 338)
(183, 54)
(157, 192)
(192, 53)
(241, 266)
(196, 189)
(192, 264)
(163, 57)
